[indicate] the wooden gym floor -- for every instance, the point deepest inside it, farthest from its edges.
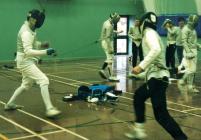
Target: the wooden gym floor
(81, 120)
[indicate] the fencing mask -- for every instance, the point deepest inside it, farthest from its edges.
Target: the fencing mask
(149, 19)
(193, 21)
(38, 15)
(115, 18)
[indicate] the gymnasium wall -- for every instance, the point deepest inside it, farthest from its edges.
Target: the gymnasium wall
(175, 6)
(71, 26)
(162, 7)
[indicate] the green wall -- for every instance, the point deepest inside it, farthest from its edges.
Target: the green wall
(175, 6)
(71, 26)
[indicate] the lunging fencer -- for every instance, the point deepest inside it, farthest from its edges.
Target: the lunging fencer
(28, 52)
(107, 37)
(189, 61)
(156, 83)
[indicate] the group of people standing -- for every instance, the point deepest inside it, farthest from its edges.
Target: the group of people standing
(174, 42)
(156, 61)
(152, 62)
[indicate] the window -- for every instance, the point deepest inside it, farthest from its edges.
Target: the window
(121, 42)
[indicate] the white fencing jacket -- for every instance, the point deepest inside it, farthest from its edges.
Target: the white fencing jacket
(154, 60)
(27, 47)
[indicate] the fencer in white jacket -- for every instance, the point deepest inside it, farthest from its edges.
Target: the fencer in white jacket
(28, 51)
(189, 61)
(156, 83)
(107, 37)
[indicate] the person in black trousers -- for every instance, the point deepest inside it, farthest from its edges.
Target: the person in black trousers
(156, 77)
(179, 46)
(171, 43)
(135, 35)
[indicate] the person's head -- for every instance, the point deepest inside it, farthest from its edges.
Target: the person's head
(167, 23)
(35, 18)
(114, 17)
(181, 22)
(148, 20)
(137, 22)
(193, 21)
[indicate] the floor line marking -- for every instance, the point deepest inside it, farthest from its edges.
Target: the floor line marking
(127, 97)
(151, 105)
(42, 134)
(67, 79)
(3, 137)
(131, 93)
(50, 123)
(193, 109)
(22, 127)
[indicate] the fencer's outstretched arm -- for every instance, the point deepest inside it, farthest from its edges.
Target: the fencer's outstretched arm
(27, 40)
(152, 41)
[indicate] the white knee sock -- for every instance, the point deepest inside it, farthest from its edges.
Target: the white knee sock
(17, 92)
(46, 97)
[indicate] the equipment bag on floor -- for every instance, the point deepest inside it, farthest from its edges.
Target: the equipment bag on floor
(94, 93)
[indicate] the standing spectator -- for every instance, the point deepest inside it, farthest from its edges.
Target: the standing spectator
(171, 43)
(189, 61)
(179, 47)
(135, 35)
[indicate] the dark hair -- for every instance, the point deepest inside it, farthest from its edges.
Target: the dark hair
(181, 19)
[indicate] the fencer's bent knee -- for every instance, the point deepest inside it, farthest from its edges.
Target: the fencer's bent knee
(43, 81)
(25, 86)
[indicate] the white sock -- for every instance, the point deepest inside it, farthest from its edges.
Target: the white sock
(17, 92)
(139, 125)
(46, 97)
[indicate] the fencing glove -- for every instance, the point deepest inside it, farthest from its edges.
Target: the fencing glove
(51, 51)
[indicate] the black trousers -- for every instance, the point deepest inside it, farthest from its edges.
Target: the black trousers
(136, 50)
(156, 90)
(179, 53)
(170, 56)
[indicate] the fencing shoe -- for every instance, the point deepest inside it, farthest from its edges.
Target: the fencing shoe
(102, 74)
(137, 132)
(52, 112)
(9, 107)
(113, 79)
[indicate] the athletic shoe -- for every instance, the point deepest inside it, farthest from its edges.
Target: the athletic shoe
(136, 133)
(113, 79)
(9, 107)
(53, 112)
